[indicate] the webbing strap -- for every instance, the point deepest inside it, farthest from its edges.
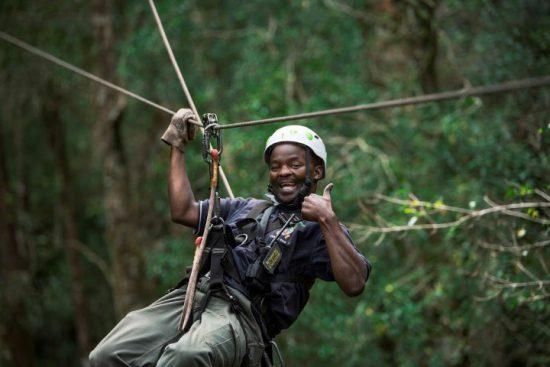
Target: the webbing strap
(258, 208)
(216, 270)
(264, 222)
(248, 227)
(218, 259)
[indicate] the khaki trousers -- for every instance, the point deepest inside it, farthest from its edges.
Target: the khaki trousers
(149, 337)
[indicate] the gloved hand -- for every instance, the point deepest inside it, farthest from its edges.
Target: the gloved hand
(181, 130)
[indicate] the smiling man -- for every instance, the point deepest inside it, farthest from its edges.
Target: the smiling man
(271, 253)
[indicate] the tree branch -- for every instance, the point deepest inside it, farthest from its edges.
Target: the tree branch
(513, 247)
(472, 214)
(517, 214)
(542, 194)
(503, 283)
(423, 204)
(95, 259)
(348, 10)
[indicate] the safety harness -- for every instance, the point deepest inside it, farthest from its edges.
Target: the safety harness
(217, 262)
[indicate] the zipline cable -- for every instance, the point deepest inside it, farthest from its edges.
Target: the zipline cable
(467, 92)
(37, 52)
(476, 91)
(183, 84)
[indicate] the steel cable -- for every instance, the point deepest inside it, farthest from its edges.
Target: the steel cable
(476, 91)
(467, 92)
(45, 55)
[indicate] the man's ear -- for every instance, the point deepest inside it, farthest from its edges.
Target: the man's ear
(317, 172)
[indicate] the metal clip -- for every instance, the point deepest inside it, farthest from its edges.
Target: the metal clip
(212, 136)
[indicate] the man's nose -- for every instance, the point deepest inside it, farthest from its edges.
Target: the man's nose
(285, 171)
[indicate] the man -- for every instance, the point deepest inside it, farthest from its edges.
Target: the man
(272, 253)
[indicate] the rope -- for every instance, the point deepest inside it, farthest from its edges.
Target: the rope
(173, 60)
(199, 251)
(37, 52)
(477, 91)
(278, 352)
(183, 84)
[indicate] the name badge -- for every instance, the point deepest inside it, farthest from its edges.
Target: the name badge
(272, 259)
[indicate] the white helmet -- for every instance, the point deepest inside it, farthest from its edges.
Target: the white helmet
(300, 135)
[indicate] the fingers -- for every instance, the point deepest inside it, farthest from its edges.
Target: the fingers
(327, 190)
(185, 114)
(192, 127)
(191, 131)
(186, 122)
(180, 114)
(307, 210)
(183, 111)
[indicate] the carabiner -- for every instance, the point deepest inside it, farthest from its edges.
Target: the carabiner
(212, 138)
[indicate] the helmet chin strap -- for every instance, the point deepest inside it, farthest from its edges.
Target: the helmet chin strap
(305, 190)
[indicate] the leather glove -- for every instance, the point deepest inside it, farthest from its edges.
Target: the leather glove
(181, 130)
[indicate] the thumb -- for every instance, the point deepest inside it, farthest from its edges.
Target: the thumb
(327, 190)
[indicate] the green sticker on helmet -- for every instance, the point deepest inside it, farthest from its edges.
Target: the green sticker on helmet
(309, 136)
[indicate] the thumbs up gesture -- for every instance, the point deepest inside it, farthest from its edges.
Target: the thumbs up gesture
(327, 190)
(316, 208)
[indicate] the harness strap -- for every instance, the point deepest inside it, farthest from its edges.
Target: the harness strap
(216, 270)
(248, 227)
(263, 224)
(258, 208)
(220, 263)
(221, 260)
(306, 187)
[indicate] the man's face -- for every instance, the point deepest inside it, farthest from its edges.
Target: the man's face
(287, 171)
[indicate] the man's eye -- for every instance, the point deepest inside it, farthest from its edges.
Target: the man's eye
(296, 165)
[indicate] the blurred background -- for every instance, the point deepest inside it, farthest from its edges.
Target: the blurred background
(448, 200)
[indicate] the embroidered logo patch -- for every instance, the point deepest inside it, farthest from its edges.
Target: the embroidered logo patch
(287, 233)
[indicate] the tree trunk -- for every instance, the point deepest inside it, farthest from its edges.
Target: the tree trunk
(426, 49)
(121, 226)
(15, 335)
(56, 134)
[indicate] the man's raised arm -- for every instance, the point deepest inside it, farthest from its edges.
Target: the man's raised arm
(184, 209)
(350, 269)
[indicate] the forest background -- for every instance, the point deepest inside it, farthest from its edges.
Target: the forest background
(85, 228)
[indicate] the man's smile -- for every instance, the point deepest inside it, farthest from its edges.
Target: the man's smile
(288, 187)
